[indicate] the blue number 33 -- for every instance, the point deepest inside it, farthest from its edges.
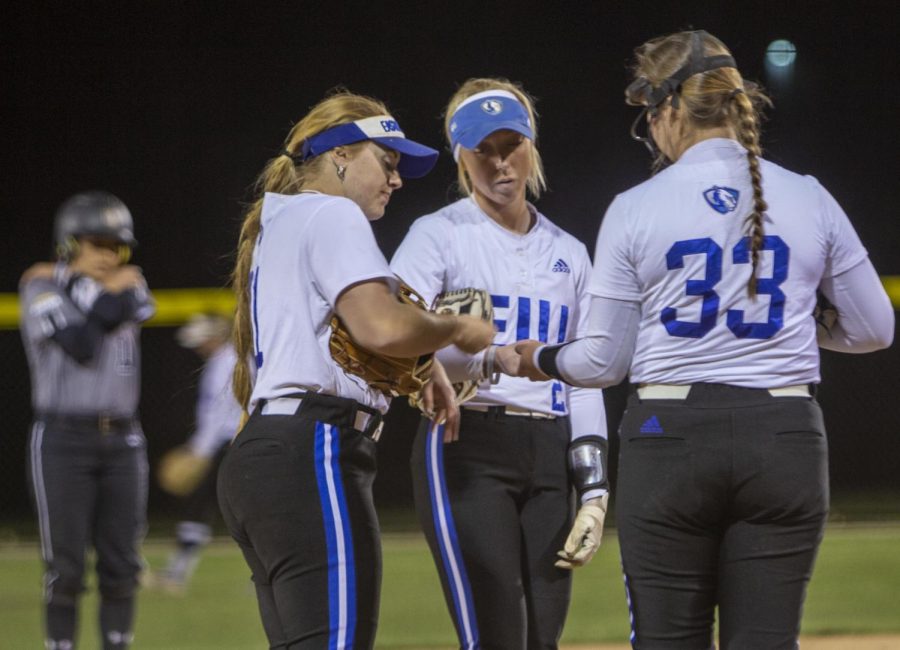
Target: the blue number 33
(709, 309)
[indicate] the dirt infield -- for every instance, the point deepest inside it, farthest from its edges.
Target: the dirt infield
(857, 642)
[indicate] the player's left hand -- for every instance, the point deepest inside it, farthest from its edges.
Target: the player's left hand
(526, 349)
(439, 400)
(584, 538)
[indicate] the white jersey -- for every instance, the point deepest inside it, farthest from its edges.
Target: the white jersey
(537, 283)
(218, 412)
(310, 248)
(676, 243)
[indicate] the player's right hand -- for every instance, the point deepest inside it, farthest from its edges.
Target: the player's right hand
(439, 402)
(123, 278)
(473, 334)
(507, 360)
(527, 368)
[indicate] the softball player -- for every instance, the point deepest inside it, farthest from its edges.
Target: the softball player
(705, 281)
(87, 459)
(296, 485)
(218, 415)
(496, 505)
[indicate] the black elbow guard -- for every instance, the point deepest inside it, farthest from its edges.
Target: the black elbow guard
(587, 464)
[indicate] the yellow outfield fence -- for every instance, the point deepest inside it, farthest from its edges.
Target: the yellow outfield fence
(175, 306)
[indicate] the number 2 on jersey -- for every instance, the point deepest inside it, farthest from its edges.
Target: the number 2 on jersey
(709, 309)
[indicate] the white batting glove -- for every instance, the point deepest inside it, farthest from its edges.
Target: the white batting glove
(584, 538)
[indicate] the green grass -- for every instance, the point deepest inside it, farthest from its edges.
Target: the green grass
(855, 590)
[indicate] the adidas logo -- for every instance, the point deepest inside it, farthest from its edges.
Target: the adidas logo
(561, 267)
(651, 425)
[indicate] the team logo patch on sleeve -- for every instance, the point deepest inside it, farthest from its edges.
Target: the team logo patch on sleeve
(722, 199)
(560, 266)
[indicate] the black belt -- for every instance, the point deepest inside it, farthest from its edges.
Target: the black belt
(364, 419)
(102, 422)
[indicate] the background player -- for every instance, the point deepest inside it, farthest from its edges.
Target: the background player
(705, 282)
(296, 485)
(88, 465)
(496, 504)
(218, 415)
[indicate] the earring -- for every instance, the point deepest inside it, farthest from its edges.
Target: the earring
(341, 171)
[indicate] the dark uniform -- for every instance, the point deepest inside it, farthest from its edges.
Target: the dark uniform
(87, 454)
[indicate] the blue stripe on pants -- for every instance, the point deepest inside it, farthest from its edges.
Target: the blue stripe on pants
(338, 538)
(445, 532)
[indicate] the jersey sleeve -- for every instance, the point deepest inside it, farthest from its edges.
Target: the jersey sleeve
(144, 306)
(342, 250)
(615, 274)
(419, 261)
(47, 310)
(586, 409)
(844, 248)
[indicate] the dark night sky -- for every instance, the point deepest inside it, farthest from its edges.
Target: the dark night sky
(176, 106)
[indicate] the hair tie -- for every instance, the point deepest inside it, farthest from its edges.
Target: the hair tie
(295, 158)
(735, 92)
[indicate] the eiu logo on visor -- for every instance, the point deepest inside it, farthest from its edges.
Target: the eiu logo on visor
(416, 159)
(481, 114)
(722, 199)
(492, 106)
(390, 126)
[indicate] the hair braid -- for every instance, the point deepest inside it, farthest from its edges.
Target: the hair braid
(748, 134)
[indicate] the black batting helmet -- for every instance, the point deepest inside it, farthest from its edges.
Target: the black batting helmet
(97, 214)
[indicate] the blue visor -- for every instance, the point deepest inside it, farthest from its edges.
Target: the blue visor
(416, 159)
(482, 114)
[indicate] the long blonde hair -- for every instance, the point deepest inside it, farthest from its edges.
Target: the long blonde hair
(536, 182)
(284, 174)
(716, 98)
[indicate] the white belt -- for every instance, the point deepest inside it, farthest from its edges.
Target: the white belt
(281, 406)
(672, 391)
(510, 410)
(289, 406)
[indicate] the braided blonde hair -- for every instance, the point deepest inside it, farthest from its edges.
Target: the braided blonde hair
(716, 98)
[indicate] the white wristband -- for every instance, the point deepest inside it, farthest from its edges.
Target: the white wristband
(535, 356)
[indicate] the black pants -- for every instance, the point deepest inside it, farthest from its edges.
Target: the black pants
(721, 501)
(89, 489)
(496, 506)
(296, 495)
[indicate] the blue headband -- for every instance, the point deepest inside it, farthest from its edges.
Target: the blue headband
(482, 114)
(416, 159)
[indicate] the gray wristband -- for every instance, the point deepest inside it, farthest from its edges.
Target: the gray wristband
(487, 366)
(587, 464)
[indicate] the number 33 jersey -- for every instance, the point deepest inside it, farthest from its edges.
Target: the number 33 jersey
(537, 283)
(678, 244)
